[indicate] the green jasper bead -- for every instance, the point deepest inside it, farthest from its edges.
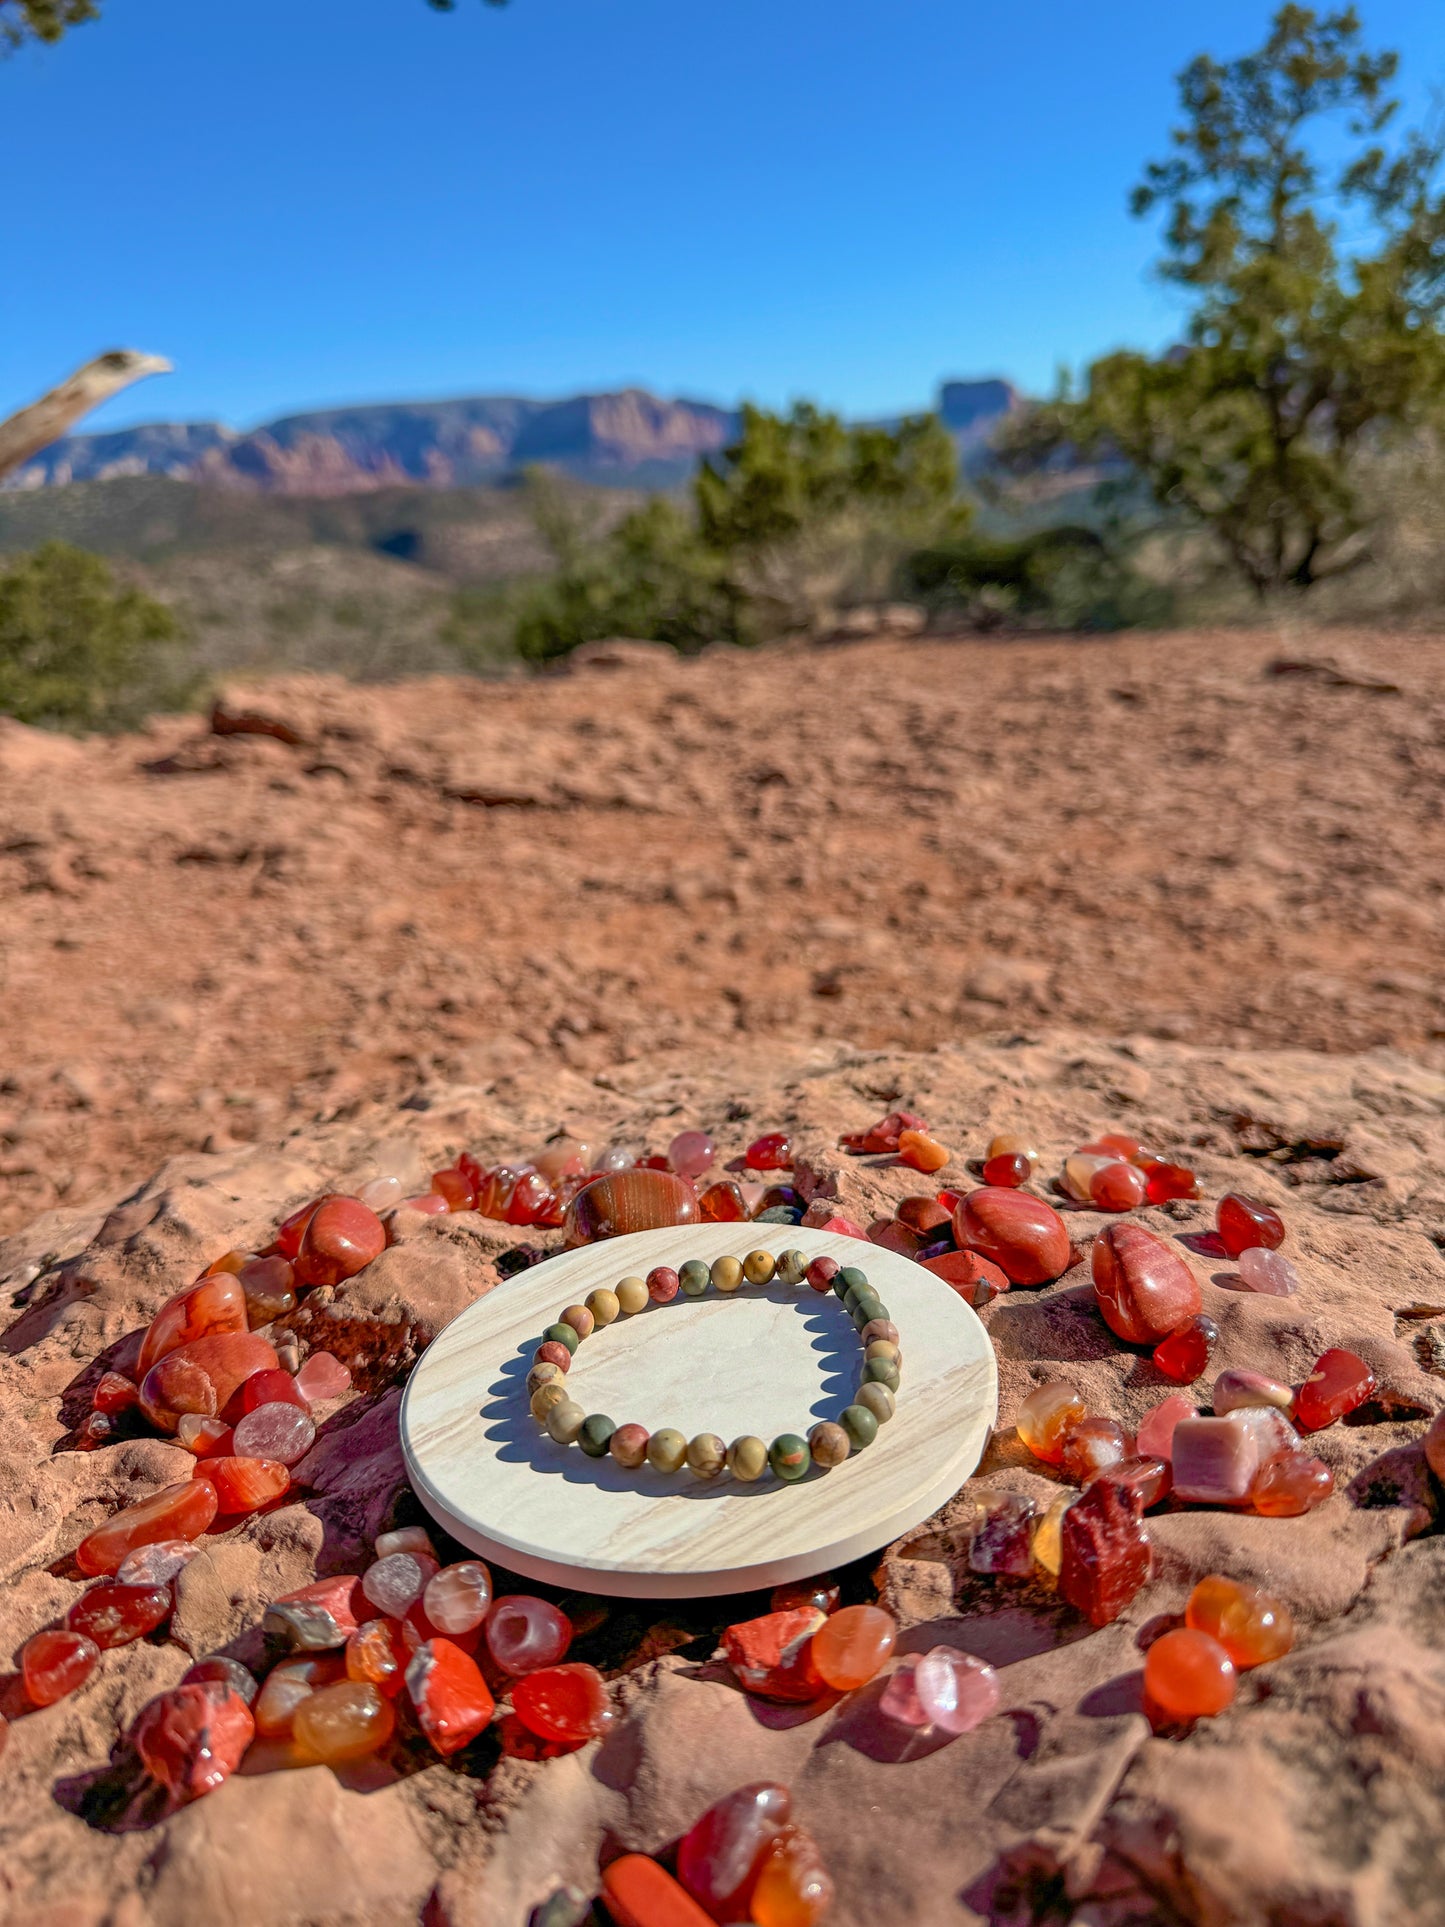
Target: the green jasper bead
(854, 1293)
(867, 1309)
(563, 1335)
(880, 1371)
(850, 1278)
(860, 1425)
(792, 1267)
(789, 1456)
(596, 1435)
(876, 1399)
(694, 1277)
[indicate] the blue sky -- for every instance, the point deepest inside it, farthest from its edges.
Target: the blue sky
(313, 201)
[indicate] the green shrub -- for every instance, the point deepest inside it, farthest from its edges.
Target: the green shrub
(1066, 577)
(76, 651)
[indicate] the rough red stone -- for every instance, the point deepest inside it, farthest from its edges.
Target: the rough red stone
(1143, 1287)
(452, 1700)
(1106, 1555)
(317, 1617)
(771, 1655)
(976, 1280)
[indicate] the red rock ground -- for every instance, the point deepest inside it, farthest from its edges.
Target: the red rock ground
(1206, 911)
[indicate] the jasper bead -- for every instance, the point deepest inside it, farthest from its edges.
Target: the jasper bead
(1184, 1354)
(789, 1457)
(524, 1633)
(346, 1721)
(852, 1646)
(541, 1375)
(828, 1444)
(861, 1425)
(792, 1267)
(1250, 1624)
(551, 1353)
(581, 1321)
(567, 1704)
(628, 1445)
(1245, 1223)
(759, 1267)
(560, 1334)
(1236, 1389)
(595, 1435)
(666, 1449)
(1046, 1417)
(727, 1273)
(706, 1455)
(822, 1272)
(1339, 1382)
(202, 1376)
(1188, 1675)
(214, 1305)
(1289, 1483)
(1143, 1287)
(341, 1238)
(1025, 1237)
(694, 1277)
(876, 1399)
(182, 1511)
(626, 1201)
(564, 1421)
(54, 1663)
(879, 1328)
(747, 1458)
(1009, 1169)
(632, 1296)
(1268, 1272)
(662, 1285)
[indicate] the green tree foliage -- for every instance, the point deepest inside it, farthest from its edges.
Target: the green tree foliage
(799, 517)
(1316, 290)
(76, 652)
(47, 20)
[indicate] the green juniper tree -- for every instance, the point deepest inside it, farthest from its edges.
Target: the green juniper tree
(1316, 291)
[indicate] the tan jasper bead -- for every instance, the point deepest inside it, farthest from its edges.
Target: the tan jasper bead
(759, 1266)
(828, 1443)
(666, 1449)
(632, 1295)
(706, 1455)
(727, 1273)
(747, 1458)
(564, 1420)
(579, 1318)
(603, 1305)
(545, 1397)
(876, 1399)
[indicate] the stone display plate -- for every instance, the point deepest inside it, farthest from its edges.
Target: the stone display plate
(769, 1360)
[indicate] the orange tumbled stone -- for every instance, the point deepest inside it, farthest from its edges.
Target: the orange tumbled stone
(53, 1663)
(923, 1152)
(1046, 1417)
(640, 1893)
(1021, 1234)
(1250, 1624)
(245, 1485)
(377, 1653)
(1188, 1675)
(794, 1888)
(201, 1377)
(1143, 1287)
(852, 1646)
(624, 1201)
(175, 1512)
(213, 1305)
(342, 1237)
(344, 1721)
(452, 1700)
(194, 1737)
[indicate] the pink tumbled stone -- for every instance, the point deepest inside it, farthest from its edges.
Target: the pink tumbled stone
(323, 1376)
(1237, 1389)
(406, 1539)
(397, 1581)
(900, 1699)
(456, 1598)
(1155, 1436)
(955, 1690)
(525, 1634)
(156, 1564)
(691, 1153)
(1268, 1271)
(382, 1194)
(1215, 1459)
(275, 1431)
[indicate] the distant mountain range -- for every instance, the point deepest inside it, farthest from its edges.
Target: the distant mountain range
(632, 438)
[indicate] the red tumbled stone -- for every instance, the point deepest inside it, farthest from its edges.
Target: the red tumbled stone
(214, 1304)
(1289, 1483)
(771, 1655)
(626, 1201)
(1168, 1181)
(55, 1662)
(114, 1393)
(456, 1187)
(1118, 1187)
(200, 1378)
(722, 1852)
(1184, 1354)
(567, 1703)
(175, 1512)
(924, 1215)
(1245, 1223)
(193, 1738)
(452, 1700)
(1339, 1382)
(113, 1615)
(1010, 1170)
(243, 1484)
(1106, 1554)
(1021, 1234)
(884, 1135)
(341, 1238)
(1143, 1287)
(773, 1151)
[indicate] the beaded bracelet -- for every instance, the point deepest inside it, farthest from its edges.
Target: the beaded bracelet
(789, 1456)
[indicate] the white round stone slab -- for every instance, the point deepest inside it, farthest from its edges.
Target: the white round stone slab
(761, 1360)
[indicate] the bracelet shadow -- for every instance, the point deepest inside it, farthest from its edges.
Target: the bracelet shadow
(516, 1436)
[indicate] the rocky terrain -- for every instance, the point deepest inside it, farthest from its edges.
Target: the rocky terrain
(1185, 887)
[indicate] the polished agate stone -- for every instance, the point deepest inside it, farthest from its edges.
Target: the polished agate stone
(181, 1511)
(852, 1646)
(270, 1288)
(719, 1856)
(157, 1563)
(1080, 1170)
(322, 1377)
(1166, 1181)
(1250, 1624)
(201, 1376)
(318, 1617)
(1245, 1223)
(1091, 1446)
(1117, 1187)
(245, 1484)
(1188, 1675)
(1021, 1234)
(942, 1688)
(1045, 1418)
(922, 1152)
(345, 1721)
(213, 1305)
(456, 1598)
(1143, 1287)
(773, 1151)
(1268, 1272)
(626, 1201)
(1009, 1169)
(690, 1153)
(377, 1652)
(794, 1888)
(287, 1684)
(1339, 1382)
(1142, 1476)
(227, 1672)
(342, 1236)
(1215, 1459)
(1236, 1388)
(1184, 1354)
(194, 1737)
(567, 1704)
(525, 1634)
(278, 1431)
(54, 1663)
(397, 1581)
(1289, 1483)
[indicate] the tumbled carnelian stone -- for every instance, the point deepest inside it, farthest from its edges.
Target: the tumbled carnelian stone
(773, 1151)
(722, 1203)
(1118, 1187)
(212, 1305)
(201, 1377)
(852, 1646)
(640, 1893)
(1244, 1223)
(175, 1512)
(114, 1393)
(1183, 1355)
(1250, 1624)
(1290, 1483)
(821, 1594)
(377, 1652)
(344, 1721)
(1188, 1675)
(1171, 1181)
(1142, 1285)
(452, 1700)
(1339, 1382)
(1046, 1417)
(194, 1737)
(272, 1387)
(270, 1288)
(1091, 1446)
(456, 1188)
(1024, 1236)
(55, 1662)
(245, 1485)
(568, 1702)
(1009, 1169)
(624, 1201)
(794, 1888)
(719, 1856)
(341, 1238)
(287, 1684)
(922, 1152)
(291, 1230)
(113, 1615)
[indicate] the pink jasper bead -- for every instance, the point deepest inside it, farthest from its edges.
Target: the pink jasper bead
(1155, 1437)
(397, 1581)
(156, 1564)
(1237, 1389)
(1268, 1271)
(691, 1153)
(323, 1376)
(276, 1431)
(525, 1634)
(456, 1598)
